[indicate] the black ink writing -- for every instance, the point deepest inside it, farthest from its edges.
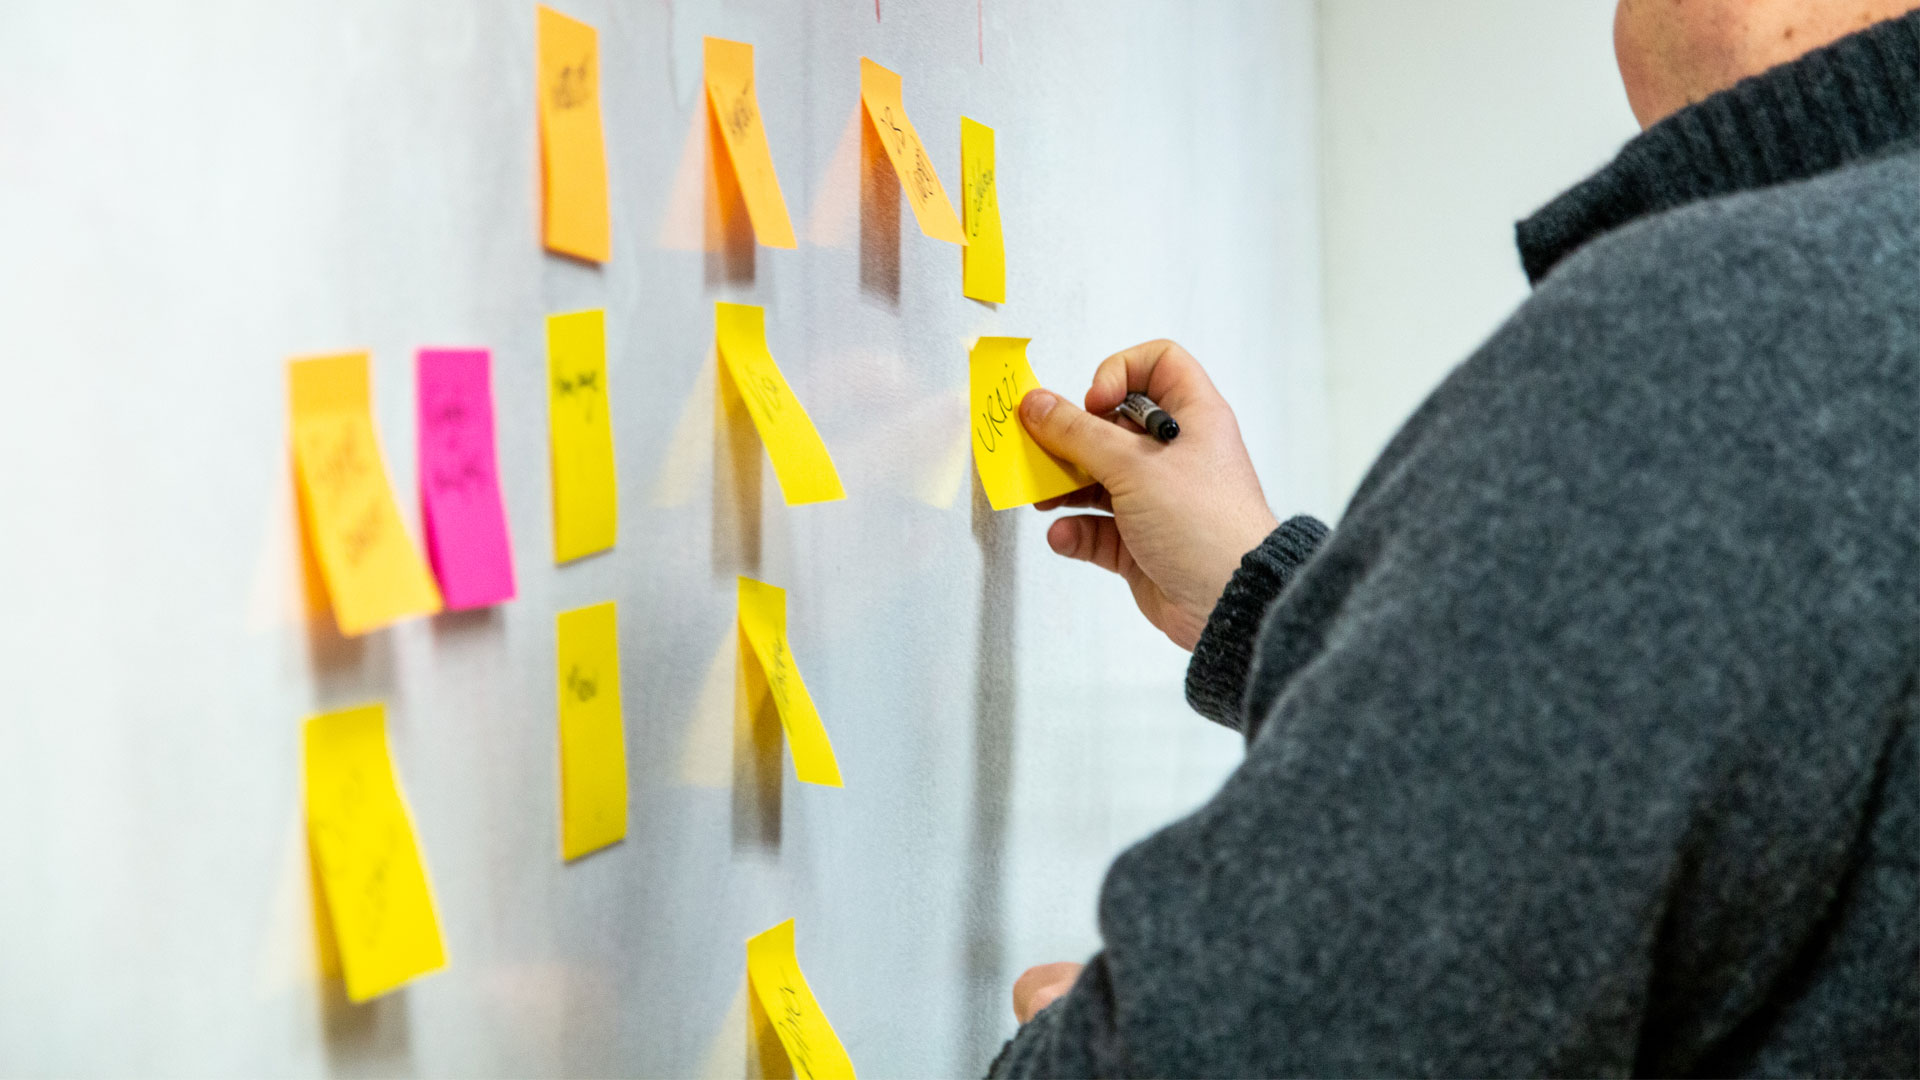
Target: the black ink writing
(573, 84)
(997, 407)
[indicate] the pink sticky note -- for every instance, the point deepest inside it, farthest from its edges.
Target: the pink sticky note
(466, 523)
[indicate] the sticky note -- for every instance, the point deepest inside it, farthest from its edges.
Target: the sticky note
(374, 574)
(585, 498)
(736, 109)
(465, 521)
(880, 92)
(371, 878)
(763, 622)
(1013, 468)
(593, 741)
(984, 260)
(800, 459)
(573, 154)
(774, 970)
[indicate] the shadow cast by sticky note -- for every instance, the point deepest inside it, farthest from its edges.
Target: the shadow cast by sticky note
(879, 217)
(737, 473)
(686, 459)
(707, 747)
(371, 1038)
(730, 241)
(993, 711)
(757, 744)
(473, 623)
(837, 196)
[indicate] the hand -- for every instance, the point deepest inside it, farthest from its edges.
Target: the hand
(1184, 512)
(1037, 987)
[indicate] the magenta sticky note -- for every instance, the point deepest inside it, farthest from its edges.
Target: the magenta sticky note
(466, 523)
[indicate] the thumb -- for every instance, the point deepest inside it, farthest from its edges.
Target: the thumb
(1068, 431)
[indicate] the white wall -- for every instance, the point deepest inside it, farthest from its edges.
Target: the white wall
(1443, 122)
(192, 191)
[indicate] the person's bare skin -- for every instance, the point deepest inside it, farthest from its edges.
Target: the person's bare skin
(1183, 513)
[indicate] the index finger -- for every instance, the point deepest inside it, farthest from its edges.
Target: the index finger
(1160, 369)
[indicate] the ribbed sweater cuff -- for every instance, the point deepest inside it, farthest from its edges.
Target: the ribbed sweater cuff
(1223, 657)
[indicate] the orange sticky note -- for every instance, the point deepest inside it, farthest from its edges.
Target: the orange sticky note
(800, 458)
(763, 622)
(371, 877)
(573, 154)
(984, 260)
(773, 967)
(880, 93)
(593, 741)
(736, 107)
(585, 492)
(373, 572)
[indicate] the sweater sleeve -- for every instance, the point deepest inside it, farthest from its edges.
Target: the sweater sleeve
(1217, 675)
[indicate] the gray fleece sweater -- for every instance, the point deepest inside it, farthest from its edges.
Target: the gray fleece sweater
(1587, 743)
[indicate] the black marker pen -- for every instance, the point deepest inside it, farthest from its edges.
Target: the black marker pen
(1140, 409)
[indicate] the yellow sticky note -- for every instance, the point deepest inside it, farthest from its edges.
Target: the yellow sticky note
(374, 573)
(880, 92)
(800, 459)
(1014, 469)
(984, 259)
(573, 154)
(763, 622)
(585, 496)
(736, 108)
(593, 741)
(371, 877)
(774, 970)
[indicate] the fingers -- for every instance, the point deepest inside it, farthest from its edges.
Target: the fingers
(1091, 538)
(1094, 495)
(1040, 986)
(1066, 431)
(1160, 369)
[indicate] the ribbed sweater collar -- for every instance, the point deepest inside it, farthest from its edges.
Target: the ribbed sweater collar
(1845, 102)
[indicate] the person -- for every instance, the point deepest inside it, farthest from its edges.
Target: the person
(1586, 743)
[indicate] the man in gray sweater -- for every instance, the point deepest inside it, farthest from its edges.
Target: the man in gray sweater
(1587, 743)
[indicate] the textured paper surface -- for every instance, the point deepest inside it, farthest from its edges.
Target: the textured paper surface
(593, 742)
(585, 493)
(465, 521)
(371, 878)
(800, 459)
(373, 572)
(880, 92)
(736, 109)
(774, 970)
(1013, 468)
(763, 622)
(573, 156)
(984, 260)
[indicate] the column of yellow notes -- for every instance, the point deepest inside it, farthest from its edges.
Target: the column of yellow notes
(593, 742)
(763, 623)
(1013, 468)
(371, 878)
(880, 93)
(585, 496)
(983, 261)
(575, 219)
(373, 572)
(774, 970)
(800, 459)
(736, 109)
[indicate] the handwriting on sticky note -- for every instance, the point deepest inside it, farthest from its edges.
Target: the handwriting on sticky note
(371, 876)
(736, 108)
(984, 259)
(573, 158)
(373, 572)
(585, 492)
(593, 743)
(773, 967)
(880, 93)
(763, 623)
(465, 520)
(1013, 468)
(800, 459)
